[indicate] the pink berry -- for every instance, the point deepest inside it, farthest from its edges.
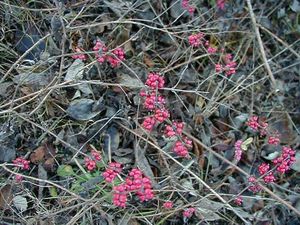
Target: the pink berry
(218, 68)
(154, 80)
(120, 195)
(253, 122)
(168, 205)
(195, 40)
(238, 200)
(191, 9)
(161, 115)
(285, 160)
(18, 178)
(185, 4)
(90, 164)
(187, 213)
(181, 147)
(112, 171)
(211, 50)
(22, 163)
(96, 155)
(273, 140)
(254, 186)
(263, 168)
(269, 178)
(139, 183)
(149, 123)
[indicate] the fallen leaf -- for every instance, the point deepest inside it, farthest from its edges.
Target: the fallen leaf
(111, 139)
(284, 126)
(207, 215)
(75, 71)
(49, 164)
(82, 109)
(37, 79)
(38, 155)
(4, 88)
(130, 81)
(296, 165)
(5, 196)
(20, 203)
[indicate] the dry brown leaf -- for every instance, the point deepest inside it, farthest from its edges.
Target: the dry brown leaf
(148, 61)
(44, 152)
(38, 155)
(198, 151)
(49, 164)
(6, 196)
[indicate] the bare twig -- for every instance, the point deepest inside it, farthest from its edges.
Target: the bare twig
(260, 43)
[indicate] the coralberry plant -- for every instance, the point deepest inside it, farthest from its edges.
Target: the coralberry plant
(280, 165)
(155, 104)
(102, 54)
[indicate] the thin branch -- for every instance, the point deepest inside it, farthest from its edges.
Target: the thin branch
(260, 44)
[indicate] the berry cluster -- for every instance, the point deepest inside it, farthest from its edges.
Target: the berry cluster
(187, 6)
(262, 127)
(138, 182)
(135, 182)
(174, 130)
(91, 162)
(273, 140)
(80, 54)
(113, 170)
(154, 81)
(238, 150)
(263, 170)
(254, 186)
(120, 195)
(187, 213)
(155, 103)
(238, 200)
(21, 163)
(256, 125)
(168, 205)
(229, 66)
(195, 40)
(182, 146)
(96, 155)
(285, 160)
(102, 55)
(210, 49)
(152, 99)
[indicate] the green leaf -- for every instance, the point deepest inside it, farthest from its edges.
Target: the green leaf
(245, 143)
(53, 192)
(65, 171)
